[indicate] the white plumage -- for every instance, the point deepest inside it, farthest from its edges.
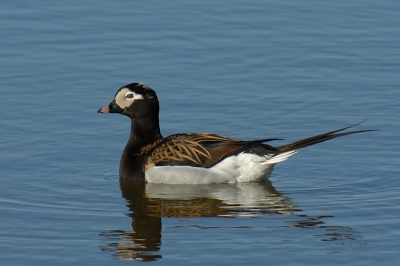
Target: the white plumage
(244, 167)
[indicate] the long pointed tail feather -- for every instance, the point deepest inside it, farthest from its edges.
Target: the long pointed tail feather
(319, 138)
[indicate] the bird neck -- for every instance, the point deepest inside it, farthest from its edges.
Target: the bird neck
(143, 132)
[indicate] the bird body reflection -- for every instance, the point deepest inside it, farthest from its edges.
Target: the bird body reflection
(150, 203)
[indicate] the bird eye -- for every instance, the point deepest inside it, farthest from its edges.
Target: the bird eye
(132, 96)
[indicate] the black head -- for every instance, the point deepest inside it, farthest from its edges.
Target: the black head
(135, 100)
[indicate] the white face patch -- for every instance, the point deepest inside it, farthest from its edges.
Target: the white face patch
(131, 96)
(126, 97)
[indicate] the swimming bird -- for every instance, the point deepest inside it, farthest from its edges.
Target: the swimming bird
(193, 158)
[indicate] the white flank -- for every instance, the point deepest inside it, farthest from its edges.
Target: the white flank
(186, 175)
(244, 167)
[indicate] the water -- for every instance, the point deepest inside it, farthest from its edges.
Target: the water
(247, 70)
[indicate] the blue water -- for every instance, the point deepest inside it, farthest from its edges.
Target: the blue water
(249, 70)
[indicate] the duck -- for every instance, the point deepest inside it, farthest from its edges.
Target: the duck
(194, 158)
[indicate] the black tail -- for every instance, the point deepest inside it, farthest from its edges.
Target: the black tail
(319, 138)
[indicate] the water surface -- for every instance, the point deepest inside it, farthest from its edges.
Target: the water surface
(247, 70)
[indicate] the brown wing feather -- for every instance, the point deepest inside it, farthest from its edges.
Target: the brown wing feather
(184, 148)
(196, 149)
